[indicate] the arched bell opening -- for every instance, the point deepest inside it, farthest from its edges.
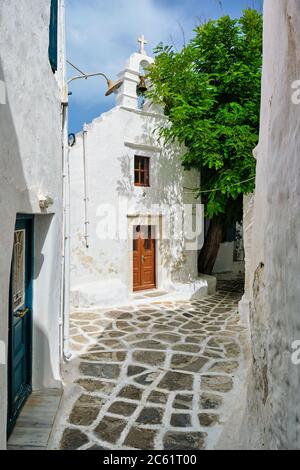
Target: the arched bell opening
(142, 86)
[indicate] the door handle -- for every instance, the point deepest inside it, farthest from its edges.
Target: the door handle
(21, 314)
(143, 259)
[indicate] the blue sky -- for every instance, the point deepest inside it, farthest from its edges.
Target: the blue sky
(102, 34)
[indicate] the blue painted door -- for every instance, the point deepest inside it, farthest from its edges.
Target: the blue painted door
(20, 321)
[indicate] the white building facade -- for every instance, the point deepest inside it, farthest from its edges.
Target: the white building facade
(272, 239)
(31, 208)
(133, 216)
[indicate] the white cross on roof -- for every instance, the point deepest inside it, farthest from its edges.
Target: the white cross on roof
(142, 42)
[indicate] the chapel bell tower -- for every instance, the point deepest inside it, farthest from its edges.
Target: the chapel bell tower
(132, 76)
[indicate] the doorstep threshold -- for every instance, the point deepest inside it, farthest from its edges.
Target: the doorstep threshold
(35, 423)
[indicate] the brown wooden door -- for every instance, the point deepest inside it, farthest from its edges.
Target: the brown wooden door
(143, 258)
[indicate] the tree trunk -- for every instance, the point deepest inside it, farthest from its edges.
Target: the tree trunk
(209, 252)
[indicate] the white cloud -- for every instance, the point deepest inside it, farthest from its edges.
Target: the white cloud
(103, 33)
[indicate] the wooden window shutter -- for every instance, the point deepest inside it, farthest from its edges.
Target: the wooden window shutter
(53, 33)
(141, 171)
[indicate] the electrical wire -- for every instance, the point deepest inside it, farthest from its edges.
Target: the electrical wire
(219, 189)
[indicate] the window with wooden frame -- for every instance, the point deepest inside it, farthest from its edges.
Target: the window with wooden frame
(141, 171)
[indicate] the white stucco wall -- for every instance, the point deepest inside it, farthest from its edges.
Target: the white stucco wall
(273, 399)
(30, 165)
(224, 261)
(112, 142)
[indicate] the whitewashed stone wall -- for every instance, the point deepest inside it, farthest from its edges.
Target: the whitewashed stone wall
(247, 226)
(273, 397)
(30, 165)
(244, 305)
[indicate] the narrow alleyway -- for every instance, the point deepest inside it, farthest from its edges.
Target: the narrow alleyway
(160, 376)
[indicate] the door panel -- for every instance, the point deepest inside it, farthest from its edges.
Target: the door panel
(136, 263)
(144, 258)
(20, 321)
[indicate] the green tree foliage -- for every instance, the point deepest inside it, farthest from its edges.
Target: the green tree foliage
(210, 91)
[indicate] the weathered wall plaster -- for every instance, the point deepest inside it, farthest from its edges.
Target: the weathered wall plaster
(244, 304)
(273, 417)
(30, 165)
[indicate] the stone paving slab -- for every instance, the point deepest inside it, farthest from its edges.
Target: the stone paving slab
(157, 376)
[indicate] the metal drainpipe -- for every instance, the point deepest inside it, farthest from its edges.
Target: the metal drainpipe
(66, 280)
(86, 196)
(65, 294)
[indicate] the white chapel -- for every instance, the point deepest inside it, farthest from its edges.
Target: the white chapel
(136, 225)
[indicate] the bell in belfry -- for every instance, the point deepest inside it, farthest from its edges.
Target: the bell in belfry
(142, 87)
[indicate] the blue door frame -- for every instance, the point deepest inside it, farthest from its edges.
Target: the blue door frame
(20, 320)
